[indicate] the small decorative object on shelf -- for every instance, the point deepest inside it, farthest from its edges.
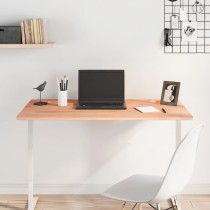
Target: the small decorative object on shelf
(10, 35)
(170, 93)
(40, 88)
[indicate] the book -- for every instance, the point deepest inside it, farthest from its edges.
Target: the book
(40, 30)
(27, 35)
(32, 31)
(22, 32)
(35, 30)
(44, 23)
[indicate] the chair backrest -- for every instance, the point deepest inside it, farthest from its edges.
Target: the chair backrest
(181, 167)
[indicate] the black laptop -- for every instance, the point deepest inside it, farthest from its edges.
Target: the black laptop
(101, 89)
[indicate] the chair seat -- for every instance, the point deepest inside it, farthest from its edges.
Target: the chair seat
(137, 188)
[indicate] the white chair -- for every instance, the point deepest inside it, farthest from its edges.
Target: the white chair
(155, 189)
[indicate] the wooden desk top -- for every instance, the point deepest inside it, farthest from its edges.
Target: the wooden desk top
(53, 112)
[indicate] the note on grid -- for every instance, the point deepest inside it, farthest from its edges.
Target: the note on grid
(146, 109)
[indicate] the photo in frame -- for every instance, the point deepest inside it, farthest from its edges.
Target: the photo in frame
(170, 93)
(189, 31)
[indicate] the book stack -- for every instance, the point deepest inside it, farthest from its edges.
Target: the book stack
(34, 31)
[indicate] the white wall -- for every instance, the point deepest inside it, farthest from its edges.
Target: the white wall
(89, 156)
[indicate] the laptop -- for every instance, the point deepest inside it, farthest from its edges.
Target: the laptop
(101, 89)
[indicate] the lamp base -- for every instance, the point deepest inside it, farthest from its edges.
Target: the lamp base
(40, 103)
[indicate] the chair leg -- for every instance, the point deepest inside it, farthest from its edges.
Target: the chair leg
(139, 206)
(134, 206)
(123, 207)
(177, 204)
(173, 204)
(158, 206)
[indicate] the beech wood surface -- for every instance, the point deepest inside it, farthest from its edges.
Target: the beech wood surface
(54, 112)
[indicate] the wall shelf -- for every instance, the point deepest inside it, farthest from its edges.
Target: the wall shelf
(28, 46)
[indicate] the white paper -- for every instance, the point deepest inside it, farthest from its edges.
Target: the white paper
(182, 14)
(175, 22)
(189, 31)
(147, 109)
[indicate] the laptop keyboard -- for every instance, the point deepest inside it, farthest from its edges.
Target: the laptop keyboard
(101, 106)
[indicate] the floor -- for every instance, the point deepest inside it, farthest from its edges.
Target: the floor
(92, 202)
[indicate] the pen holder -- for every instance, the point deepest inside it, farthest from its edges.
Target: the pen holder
(62, 98)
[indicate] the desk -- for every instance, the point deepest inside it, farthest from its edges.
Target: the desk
(53, 112)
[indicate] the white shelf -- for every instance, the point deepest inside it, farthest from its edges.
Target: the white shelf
(48, 45)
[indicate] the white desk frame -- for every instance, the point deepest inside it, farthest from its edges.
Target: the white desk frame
(31, 113)
(32, 201)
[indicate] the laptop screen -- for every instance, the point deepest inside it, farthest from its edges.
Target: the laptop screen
(101, 86)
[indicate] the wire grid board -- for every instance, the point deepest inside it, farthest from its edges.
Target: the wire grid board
(202, 45)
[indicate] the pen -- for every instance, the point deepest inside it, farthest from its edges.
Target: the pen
(64, 83)
(61, 85)
(57, 82)
(67, 80)
(164, 111)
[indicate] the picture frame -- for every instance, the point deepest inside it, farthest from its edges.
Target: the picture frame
(170, 93)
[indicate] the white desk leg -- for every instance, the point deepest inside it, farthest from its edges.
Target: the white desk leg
(178, 140)
(31, 200)
(178, 132)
